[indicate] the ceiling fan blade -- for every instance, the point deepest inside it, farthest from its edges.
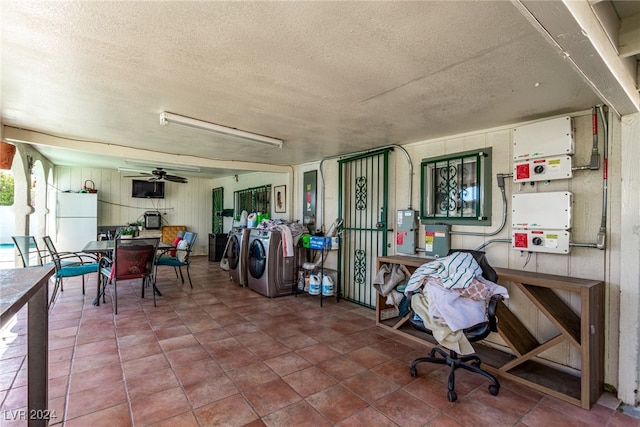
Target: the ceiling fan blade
(140, 175)
(174, 178)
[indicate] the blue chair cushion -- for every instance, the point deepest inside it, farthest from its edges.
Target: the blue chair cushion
(172, 261)
(77, 270)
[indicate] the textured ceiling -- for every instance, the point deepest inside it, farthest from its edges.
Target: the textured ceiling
(328, 78)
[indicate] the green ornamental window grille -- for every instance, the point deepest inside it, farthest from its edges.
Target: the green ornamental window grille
(456, 189)
(361, 193)
(256, 199)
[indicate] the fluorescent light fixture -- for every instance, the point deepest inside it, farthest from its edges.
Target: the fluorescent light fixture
(167, 118)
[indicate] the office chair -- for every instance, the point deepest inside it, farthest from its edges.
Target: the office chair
(473, 334)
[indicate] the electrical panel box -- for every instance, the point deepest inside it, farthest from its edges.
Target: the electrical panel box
(551, 210)
(546, 169)
(437, 240)
(549, 241)
(406, 232)
(548, 138)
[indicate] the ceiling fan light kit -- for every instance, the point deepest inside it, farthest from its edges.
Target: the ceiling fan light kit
(171, 118)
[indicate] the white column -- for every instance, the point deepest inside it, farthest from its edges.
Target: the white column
(629, 349)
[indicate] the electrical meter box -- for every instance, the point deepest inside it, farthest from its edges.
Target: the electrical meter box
(548, 138)
(551, 210)
(549, 241)
(437, 240)
(406, 232)
(546, 169)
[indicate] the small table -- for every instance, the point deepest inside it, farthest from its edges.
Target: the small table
(28, 286)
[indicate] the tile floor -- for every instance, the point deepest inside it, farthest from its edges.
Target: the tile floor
(222, 355)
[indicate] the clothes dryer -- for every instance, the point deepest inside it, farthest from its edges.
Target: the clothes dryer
(237, 255)
(270, 273)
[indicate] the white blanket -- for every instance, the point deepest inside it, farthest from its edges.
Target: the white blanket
(455, 271)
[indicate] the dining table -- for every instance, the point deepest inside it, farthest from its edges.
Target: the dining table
(101, 247)
(104, 246)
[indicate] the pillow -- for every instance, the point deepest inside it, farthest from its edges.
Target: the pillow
(176, 242)
(182, 252)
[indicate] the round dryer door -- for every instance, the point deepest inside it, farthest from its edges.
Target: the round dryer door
(257, 259)
(233, 252)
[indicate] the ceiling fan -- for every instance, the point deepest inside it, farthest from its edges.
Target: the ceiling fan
(159, 174)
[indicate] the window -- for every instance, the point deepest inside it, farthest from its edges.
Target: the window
(456, 189)
(255, 199)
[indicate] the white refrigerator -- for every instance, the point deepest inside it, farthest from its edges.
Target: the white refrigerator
(76, 220)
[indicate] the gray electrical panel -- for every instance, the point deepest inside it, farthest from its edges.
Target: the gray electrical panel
(437, 240)
(406, 232)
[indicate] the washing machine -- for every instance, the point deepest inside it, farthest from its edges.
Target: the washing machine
(237, 255)
(270, 273)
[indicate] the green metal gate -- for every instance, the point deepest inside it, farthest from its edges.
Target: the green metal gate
(363, 198)
(217, 220)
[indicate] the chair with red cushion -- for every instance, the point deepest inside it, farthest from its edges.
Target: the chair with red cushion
(132, 259)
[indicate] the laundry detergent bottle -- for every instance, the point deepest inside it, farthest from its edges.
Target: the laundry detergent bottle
(327, 285)
(314, 284)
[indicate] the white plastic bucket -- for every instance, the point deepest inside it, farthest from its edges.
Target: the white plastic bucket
(314, 284)
(327, 285)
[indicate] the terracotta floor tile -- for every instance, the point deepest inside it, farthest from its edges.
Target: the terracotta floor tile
(142, 350)
(297, 341)
(94, 361)
(252, 375)
(187, 419)
(287, 363)
(317, 353)
(221, 354)
(369, 386)
(197, 371)
(270, 397)
(367, 418)
(341, 367)
(236, 358)
(174, 343)
(114, 416)
(406, 410)
(474, 412)
(309, 381)
(144, 365)
(368, 357)
(233, 411)
(95, 377)
(209, 390)
(95, 399)
(97, 347)
(297, 414)
(186, 355)
(150, 383)
(336, 403)
(159, 406)
(395, 371)
(270, 349)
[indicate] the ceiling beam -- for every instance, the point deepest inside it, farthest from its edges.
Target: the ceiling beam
(123, 152)
(629, 37)
(575, 31)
